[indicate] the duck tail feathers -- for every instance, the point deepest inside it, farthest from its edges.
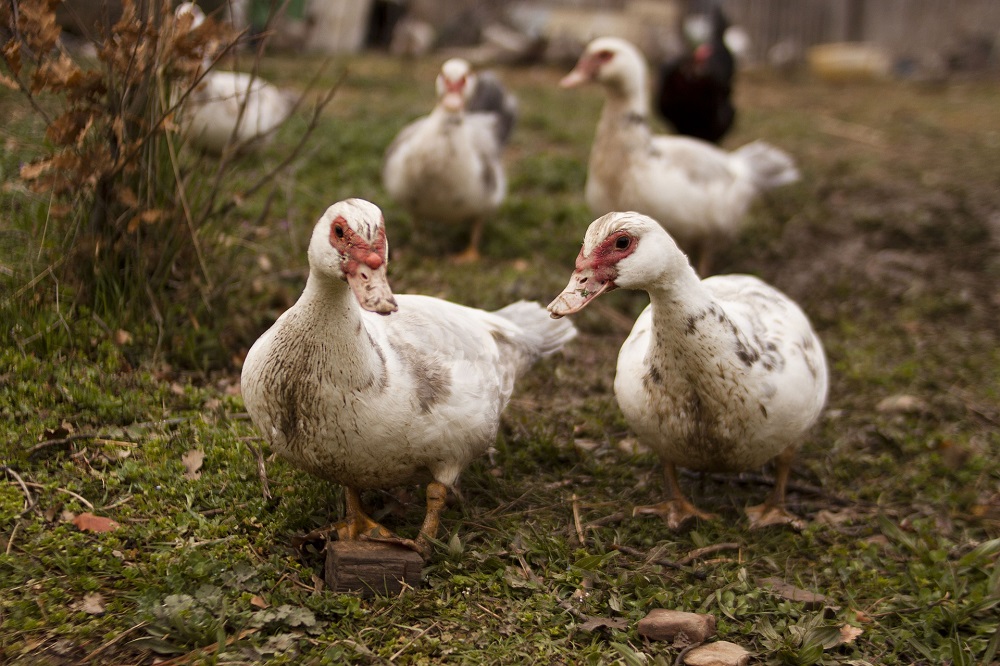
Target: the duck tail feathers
(768, 167)
(542, 334)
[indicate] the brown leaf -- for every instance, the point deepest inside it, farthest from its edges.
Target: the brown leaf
(126, 195)
(88, 522)
(92, 604)
(33, 170)
(12, 54)
(193, 460)
(849, 633)
(122, 337)
(63, 430)
(70, 128)
(258, 601)
(8, 82)
(152, 215)
(56, 75)
(810, 600)
(37, 22)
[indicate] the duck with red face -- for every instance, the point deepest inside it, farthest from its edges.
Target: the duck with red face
(717, 375)
(372, 390)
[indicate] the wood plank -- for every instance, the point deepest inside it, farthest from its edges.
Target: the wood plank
(371, 568)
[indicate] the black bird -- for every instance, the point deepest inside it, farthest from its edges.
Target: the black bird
(694, 91)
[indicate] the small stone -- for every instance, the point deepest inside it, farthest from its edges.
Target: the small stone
(720, 653)
(664, 625)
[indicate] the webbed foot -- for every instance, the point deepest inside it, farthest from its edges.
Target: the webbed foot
(674, 512)
(771, 515)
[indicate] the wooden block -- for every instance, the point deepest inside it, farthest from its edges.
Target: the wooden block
(371, 568)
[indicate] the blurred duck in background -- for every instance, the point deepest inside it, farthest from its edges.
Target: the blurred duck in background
(694, 91)
(228, 110)
(446, 168)
(697, 191)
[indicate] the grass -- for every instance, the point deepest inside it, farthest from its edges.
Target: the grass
(889, 243)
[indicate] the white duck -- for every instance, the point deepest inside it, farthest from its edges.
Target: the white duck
(697, 191)
(226, 108)
(376, 402)
(445, 168)
(720, 374)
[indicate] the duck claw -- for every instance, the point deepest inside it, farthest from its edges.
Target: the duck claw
(772, 515)
(419, 546)
(675, 512)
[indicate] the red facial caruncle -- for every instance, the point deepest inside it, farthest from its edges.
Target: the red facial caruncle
(595, 274)
(603, 260)
(355, 249)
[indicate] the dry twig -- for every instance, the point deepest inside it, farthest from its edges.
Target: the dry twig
(700, 575)
(29, 501)
(707, 550)
(576, 520)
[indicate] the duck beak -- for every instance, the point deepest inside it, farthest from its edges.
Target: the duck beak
(578, 76)
(583, 287)
(367, 279)
(584, 72)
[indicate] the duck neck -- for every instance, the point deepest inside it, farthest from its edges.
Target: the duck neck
(623, 120)
(690, 328)
(332, 318)
(446, 117)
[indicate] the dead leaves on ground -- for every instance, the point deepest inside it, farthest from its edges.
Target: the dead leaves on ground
(88, 522)
(193, 461)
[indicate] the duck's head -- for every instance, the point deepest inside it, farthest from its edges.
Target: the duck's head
(348, 243)
(455, 84)
(191, 12)
(627, 250)
(614, 63)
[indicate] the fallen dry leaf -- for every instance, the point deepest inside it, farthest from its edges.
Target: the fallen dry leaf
(63, 430)
(810, 600)
(92, 604)
(849, 633)
(258, 601)
(902, 404)
(88, 522)
(122, 337)
(193, 460)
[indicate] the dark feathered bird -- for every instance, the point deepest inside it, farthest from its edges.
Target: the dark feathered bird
(489, 96)
(694, 91)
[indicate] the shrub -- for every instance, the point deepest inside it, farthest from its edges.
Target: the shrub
(132, 216)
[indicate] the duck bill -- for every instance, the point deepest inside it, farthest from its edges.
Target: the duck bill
(581, 290)
(578, 76)
(371, 288)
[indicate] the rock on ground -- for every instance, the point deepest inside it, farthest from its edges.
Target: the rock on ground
(720, 653)
(664, 625)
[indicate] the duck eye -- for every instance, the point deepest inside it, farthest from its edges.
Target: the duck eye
(605, 55)
(339, 231)
(622, 243)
